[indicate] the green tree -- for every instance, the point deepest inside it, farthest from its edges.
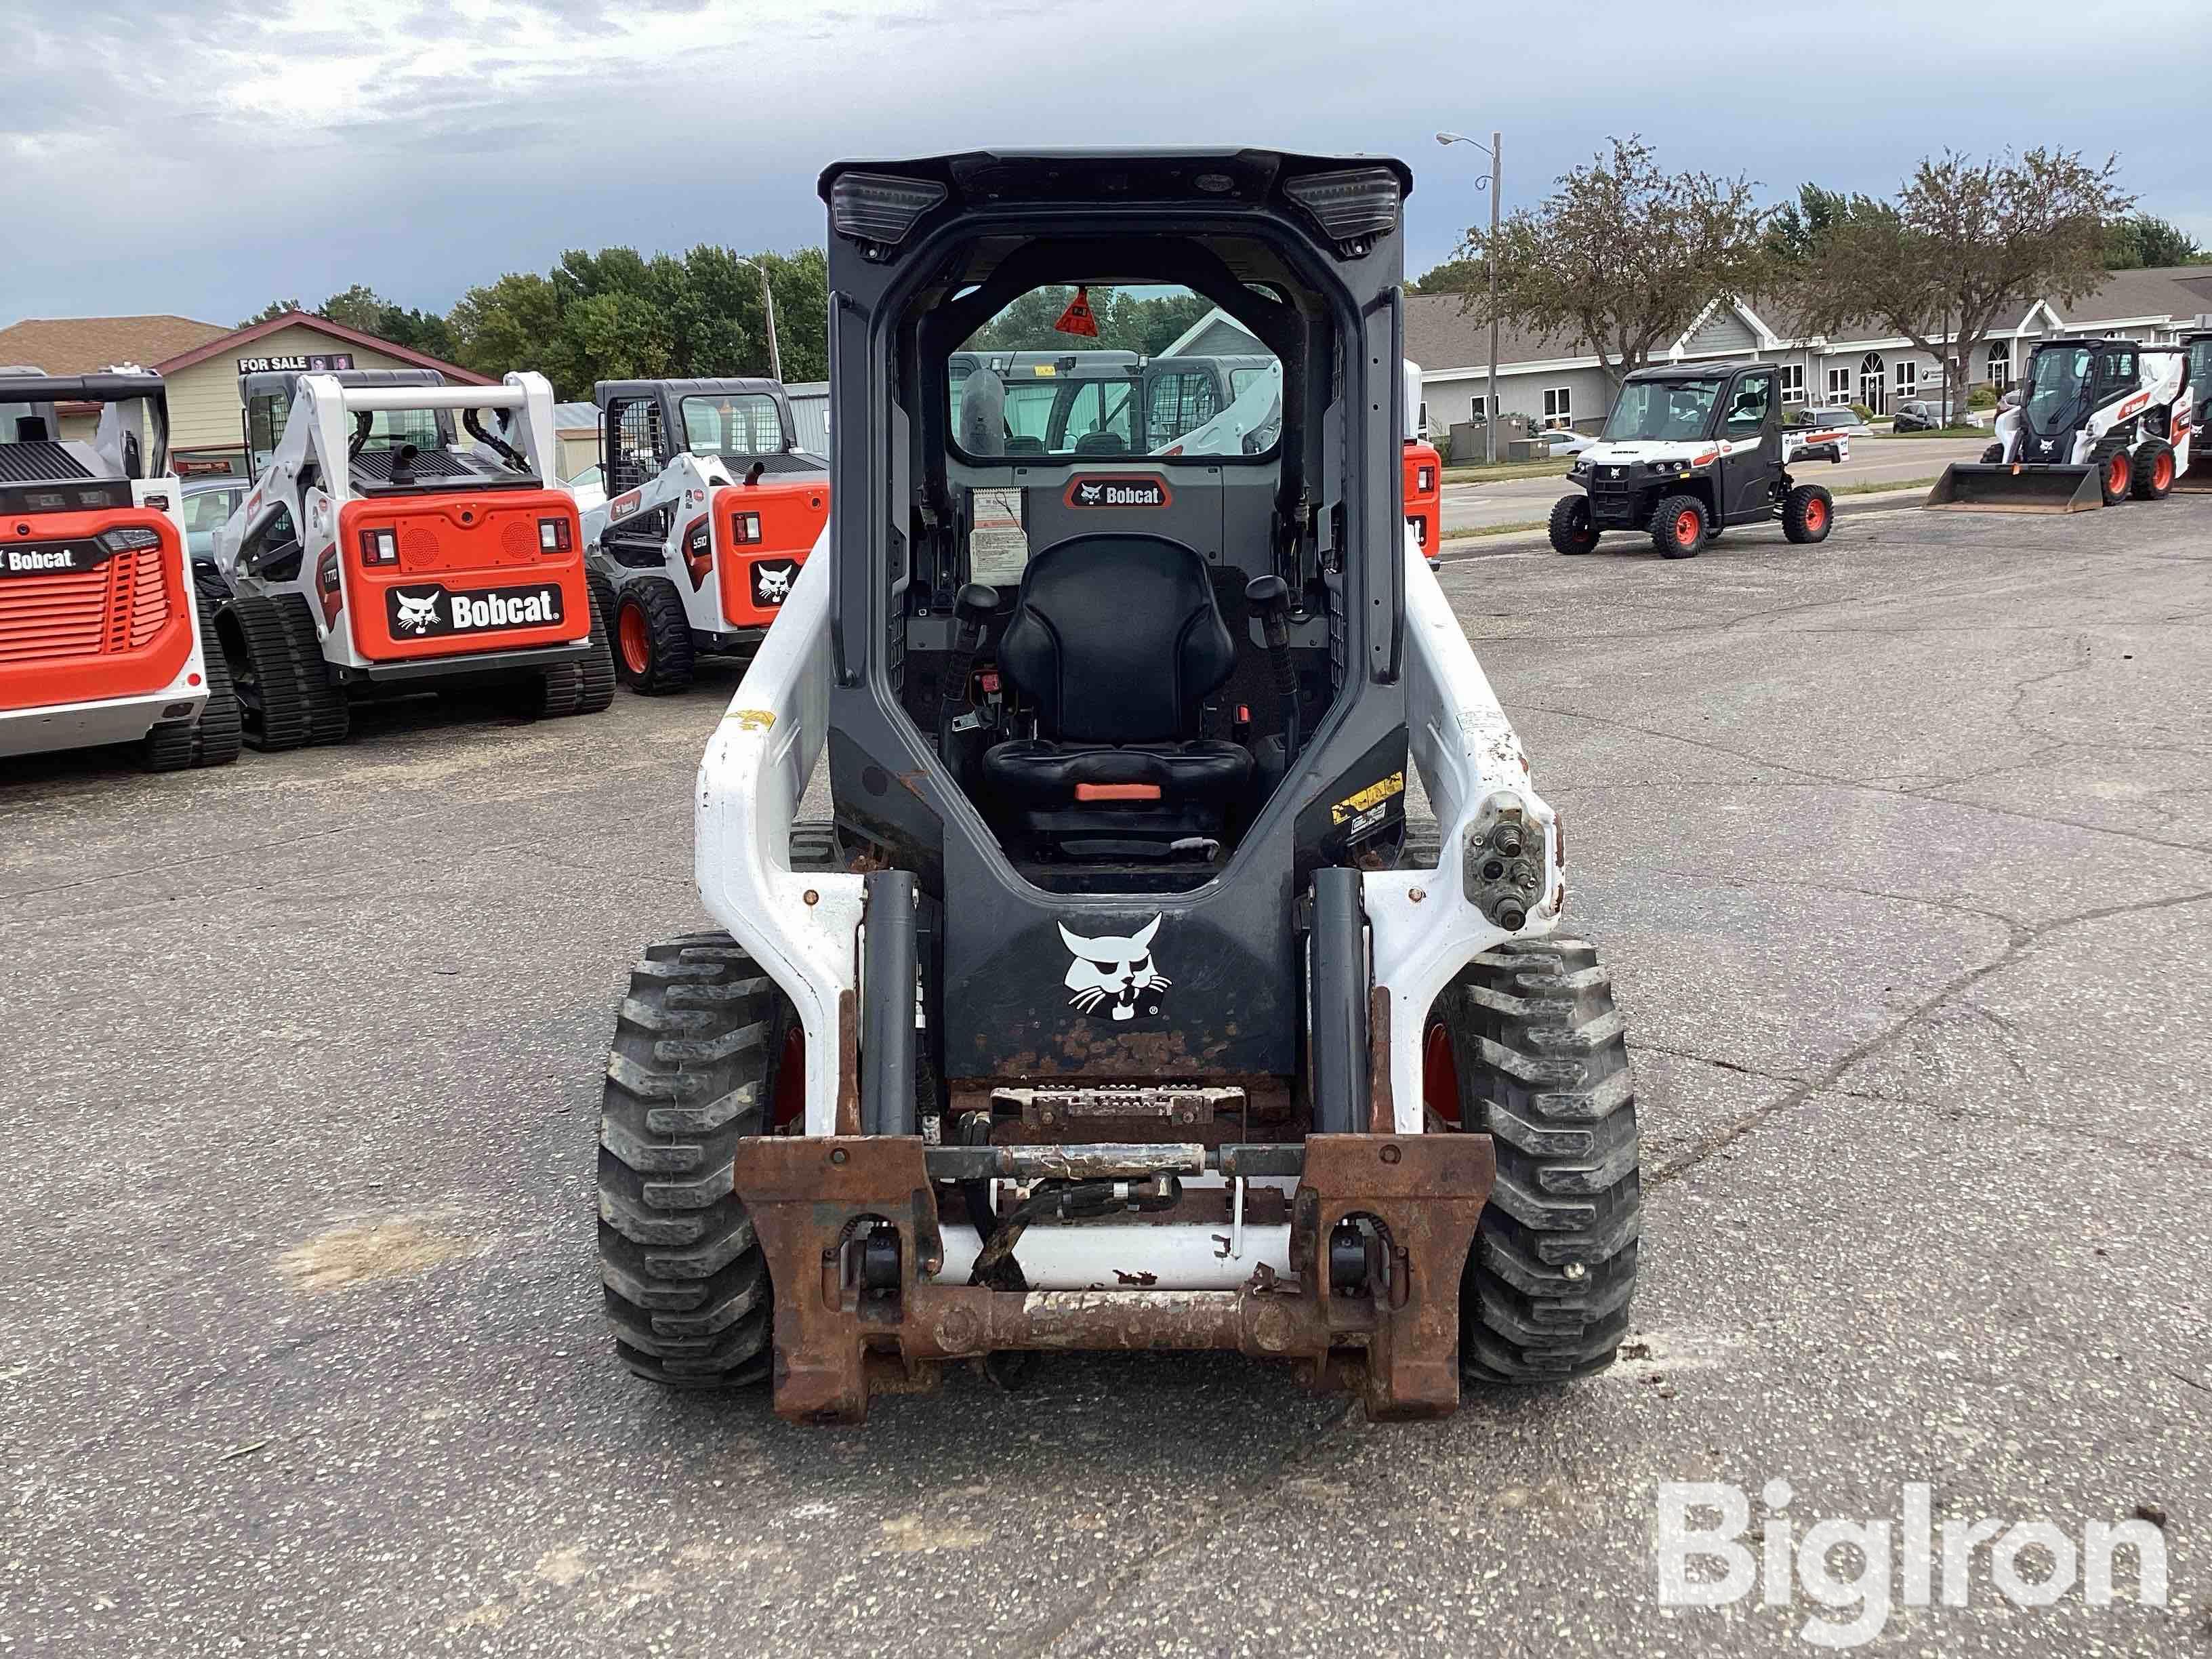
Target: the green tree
(1623, 256)
(1802, 227)
(514, 322)
(1963, 247)
(270, 312)
(1452, 276)
(2143, 240)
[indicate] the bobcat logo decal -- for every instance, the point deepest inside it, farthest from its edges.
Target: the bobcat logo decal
(1088, 494)
(418, 612)
(1113, 976)
(772, 583)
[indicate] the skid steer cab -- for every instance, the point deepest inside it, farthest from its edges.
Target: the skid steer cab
(1687, 453)
(2196, 476)
(102, 638)
(711, 509)
(2092, 423)
(1123, 1004)
(403, 536)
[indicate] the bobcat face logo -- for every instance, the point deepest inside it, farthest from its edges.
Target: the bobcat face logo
(1090, 494)
(1113, 975)
(418, 611)
(772, 583)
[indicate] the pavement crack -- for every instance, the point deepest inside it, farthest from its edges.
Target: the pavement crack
(1341, 1423)
(1711, 1146)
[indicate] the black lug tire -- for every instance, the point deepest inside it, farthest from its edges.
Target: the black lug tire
(2142, 482)
(1542, 1061)
(2101, 458)
(286, 699)
(815, 846)
(1664, 520)
(1993, 456)
(692, 1069)
(216, 737)
(603, 592)
(1800, 522)
(669, 661)
(1571, 530)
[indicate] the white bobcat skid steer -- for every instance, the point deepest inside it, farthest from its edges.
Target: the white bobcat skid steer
(2092, 423)
(711, 509)
(378, 554)
(102, 639)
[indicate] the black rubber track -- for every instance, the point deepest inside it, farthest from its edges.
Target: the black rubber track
(1662, 527)
(1571, 528)
(669, 653)
(166, 747)
(692, 1068)
(216, 735)
(815, 846)
(1542, 1058)
(595, 689)
(584, 687)
(284, 692)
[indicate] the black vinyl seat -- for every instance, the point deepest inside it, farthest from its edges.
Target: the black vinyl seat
(1118, 639)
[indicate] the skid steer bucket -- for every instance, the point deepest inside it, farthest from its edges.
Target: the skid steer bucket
(1972, 487)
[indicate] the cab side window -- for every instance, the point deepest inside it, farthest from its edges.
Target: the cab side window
(272, 548)
(1748, 404)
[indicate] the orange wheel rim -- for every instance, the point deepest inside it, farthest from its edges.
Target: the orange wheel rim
(1816, 513)
(636, 643)
(2161, 473)
(1685, 527)
(1440, 1076)
(2121, 466)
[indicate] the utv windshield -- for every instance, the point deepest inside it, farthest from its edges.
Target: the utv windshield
(747, 423)
(1661, 412)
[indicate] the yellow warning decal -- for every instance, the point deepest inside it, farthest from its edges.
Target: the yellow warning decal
(1048, 370)
(752, 719)
(1373, 795)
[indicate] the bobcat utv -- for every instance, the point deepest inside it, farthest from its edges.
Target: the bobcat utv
(1425, 473)
(376, 556)
(1688, 452)
(103, 639)
(1119, 1007)
(712, 508)
(2092, 423)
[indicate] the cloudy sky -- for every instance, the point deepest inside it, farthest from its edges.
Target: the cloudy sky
(203, 156)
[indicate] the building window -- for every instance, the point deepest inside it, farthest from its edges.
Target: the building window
(1477, 409)
(1907, 375)
(1793, 383)
(1873, 384)
(1840, 385)
(2000, 365)
(1556, 411)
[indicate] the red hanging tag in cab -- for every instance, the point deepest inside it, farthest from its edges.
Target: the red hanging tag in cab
(1078, 318)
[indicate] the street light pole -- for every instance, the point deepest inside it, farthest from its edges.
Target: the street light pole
(768, 304)
(1497, 149)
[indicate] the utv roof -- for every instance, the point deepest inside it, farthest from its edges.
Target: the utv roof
(605, 389)
(1685, 371)
(32, 386)
(281, 379)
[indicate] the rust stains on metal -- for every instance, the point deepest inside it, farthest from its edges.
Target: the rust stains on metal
(1139, 1278)
(1382, 1115)
(848, 1064)
(852, 1246)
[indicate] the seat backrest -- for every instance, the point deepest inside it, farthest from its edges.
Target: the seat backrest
(1118, 638)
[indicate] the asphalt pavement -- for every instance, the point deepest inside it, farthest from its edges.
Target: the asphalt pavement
(1900, 850)
(1874, 460)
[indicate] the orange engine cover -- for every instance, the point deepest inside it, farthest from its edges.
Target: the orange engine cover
(763, 533)
(474, 574)
(82, 623)
(1425, 496)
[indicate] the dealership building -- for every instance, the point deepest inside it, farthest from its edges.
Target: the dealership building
(200, 363)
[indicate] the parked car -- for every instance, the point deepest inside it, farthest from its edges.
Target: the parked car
(1839, 417)
(1916, 417)
(1567, 441)
(209, 503)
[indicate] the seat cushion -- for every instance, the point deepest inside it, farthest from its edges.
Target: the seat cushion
(1035, 773)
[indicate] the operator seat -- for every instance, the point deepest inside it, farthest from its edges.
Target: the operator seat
(1118, 640)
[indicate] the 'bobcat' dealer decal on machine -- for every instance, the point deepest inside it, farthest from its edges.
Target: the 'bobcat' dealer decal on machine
(1113, 975)
(1115, 490)
(423, 613)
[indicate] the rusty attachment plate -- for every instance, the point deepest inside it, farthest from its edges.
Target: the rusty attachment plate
(849, 1227)
(1061, 1108)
